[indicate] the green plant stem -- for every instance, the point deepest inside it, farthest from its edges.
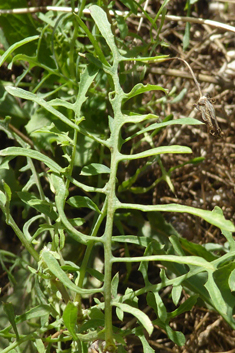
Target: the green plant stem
(71, 164)
(81, 8)
(108, 250)
(83, 186)
(108, 255)
(24, 141)
(111, 201)
(87, 255)
(39, 186)
(15, 344)
(72, 49)
(10, 221)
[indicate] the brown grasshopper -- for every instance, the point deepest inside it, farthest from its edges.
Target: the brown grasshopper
(204, 104)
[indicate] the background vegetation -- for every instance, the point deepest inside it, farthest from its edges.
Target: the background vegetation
(115, 200)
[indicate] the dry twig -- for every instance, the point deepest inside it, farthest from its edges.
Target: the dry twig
(201, 21)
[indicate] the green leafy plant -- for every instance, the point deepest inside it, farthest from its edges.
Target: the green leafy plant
(79, 132)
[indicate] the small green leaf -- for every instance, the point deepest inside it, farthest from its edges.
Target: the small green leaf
(179, 97)
(145, 344)
(40, 346)
(95, 44)
(15, 46)
(57, 102)
(93, 323)
(7, 191)
(101, 21)
(231, 281)
(70, 318)
(36, 312)
(70, 267)
(133, 239)
(55, 268)
(176, 294)
(94, 169)
(5, 162)
(83, 201)
(122, 25)
(86, 78)
(186, 306)
(45, 207)
(161, 309)
(228, 235)
(215, 294)
(96, 274)
(140, 88)
(9, 310)
(162, 8)
(120, 313)
(197, 250)
(42, 206)
(6, 200)
(3, 198)
(77, 222)
(18, 151)
(186, 37)
(175, 336)
(156, 151)
(114, 285)
(19, 92)
(140, 315)
(136, 118)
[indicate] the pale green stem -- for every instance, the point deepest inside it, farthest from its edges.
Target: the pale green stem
(82, 6)
(86, 258)
(108, 255)
(111, 205)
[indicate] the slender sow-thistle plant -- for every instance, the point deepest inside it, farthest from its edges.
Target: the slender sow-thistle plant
(73, 302)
